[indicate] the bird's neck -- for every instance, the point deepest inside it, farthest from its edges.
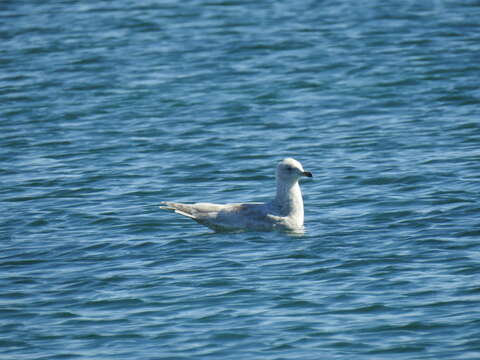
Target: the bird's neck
(289, 199)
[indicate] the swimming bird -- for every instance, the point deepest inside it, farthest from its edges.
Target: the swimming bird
(284, 212)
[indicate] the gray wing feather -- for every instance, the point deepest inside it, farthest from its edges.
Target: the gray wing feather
(222, 217)
(191, 210)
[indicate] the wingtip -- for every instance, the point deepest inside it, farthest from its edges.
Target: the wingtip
(171, 206)
(165, 205)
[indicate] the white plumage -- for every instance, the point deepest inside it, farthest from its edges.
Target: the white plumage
(284, 212)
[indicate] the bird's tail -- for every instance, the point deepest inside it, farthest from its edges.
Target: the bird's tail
(182, 209)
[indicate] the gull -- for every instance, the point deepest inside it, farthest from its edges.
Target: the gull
(284, 212)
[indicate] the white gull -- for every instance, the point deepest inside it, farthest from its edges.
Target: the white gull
(284, 212)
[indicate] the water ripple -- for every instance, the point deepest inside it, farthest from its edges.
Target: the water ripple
(108, 109)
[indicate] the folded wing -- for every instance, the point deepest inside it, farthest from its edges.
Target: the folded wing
(226, 217)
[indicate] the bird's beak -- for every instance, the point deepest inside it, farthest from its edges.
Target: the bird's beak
(307, 174)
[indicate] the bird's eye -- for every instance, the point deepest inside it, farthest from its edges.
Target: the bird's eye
(289, 168)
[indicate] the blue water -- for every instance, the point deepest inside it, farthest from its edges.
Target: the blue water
(108, 108)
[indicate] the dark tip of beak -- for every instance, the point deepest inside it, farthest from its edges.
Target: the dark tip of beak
(307, 174)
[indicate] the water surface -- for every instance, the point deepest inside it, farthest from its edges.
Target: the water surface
(108, 108)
